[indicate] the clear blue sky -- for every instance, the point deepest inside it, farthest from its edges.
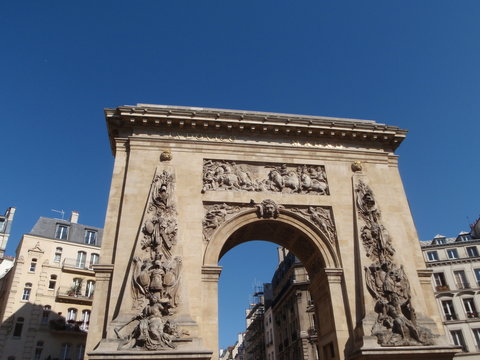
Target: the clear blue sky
(414, 64)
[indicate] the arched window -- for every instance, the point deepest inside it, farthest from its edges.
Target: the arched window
(33, 265)
(58, 255)
(38, 350)
(72, 314)
(17, 331)
(90, 288)
(81, 258)
(52, 282)
(46, 314)
(27, 290)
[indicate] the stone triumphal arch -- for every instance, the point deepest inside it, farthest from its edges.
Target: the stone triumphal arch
(189, 184)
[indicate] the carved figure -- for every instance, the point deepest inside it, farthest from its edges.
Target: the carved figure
(268, 209)
(155, 274)
(322, 218)
(396, 323)
(215, 216)
(228, 175)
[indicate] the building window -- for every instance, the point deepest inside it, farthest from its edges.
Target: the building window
(17, 331)
(457, 337)
(470, 309)
(33, 265)
(432, 256)
(80, 352)
(477, 275)
(448, 310)
(72, 314)
(472, 251)
(81, 258)
(476, 334)
(65, 354)
(440, 282)
(58, 255)
(46, 314)
(464, 237)
(38, 350)
(440, 241)
(52, 282)
(452, 253)
(461, 279)
(27, 290)
(85, 319)
(76, 288)
(90, 237)
(94, 259)
(61, 232)
(90, 288)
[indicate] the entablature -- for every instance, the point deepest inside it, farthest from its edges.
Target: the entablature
(215, 121)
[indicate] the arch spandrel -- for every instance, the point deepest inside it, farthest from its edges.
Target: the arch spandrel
(288, 229)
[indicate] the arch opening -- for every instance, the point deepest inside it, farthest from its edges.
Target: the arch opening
(310, 246)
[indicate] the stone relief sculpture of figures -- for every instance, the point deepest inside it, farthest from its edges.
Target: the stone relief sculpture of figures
(156, 274)
(228, 175)
(396, 323)
(322, 218)
(215, 216)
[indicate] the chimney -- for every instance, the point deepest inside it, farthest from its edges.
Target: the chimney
(74, 217)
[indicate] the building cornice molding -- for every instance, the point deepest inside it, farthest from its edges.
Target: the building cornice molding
(185, 119)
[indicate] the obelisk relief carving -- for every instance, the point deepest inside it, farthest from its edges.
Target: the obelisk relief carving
(298, 179)
(156, 273)
(396, 322)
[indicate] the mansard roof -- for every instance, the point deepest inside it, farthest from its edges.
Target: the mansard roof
(123, 119)
(46, 227)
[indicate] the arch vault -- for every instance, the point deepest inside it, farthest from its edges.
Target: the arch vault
(189, 184)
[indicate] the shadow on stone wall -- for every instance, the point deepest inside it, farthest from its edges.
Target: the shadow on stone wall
(36, 332)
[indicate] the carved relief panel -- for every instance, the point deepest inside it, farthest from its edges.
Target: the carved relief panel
(230, 175)
(396, 323)
(156, 273)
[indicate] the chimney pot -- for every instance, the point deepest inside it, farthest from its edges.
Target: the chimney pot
(74, 217)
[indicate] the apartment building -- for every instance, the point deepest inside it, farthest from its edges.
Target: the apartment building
(46, 312)
(456, 282)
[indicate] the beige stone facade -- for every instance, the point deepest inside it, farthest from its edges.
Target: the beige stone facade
(456, 281)
(189, 184)
(46, 310)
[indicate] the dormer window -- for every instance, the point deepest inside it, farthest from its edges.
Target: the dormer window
(90, 237)
(2, 223)
(61, 232)
(440, 241)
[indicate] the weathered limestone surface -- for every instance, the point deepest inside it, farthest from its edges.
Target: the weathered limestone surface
(237, 176)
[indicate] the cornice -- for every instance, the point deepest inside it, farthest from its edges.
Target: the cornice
(123, 119)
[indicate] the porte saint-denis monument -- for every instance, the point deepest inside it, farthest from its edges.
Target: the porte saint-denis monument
(189, 184)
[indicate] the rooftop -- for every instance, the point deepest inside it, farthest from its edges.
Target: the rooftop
(122, 119)
(47, 228)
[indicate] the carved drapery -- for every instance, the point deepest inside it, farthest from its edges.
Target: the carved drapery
(156, 273)
(396, 323)
(229, 175)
